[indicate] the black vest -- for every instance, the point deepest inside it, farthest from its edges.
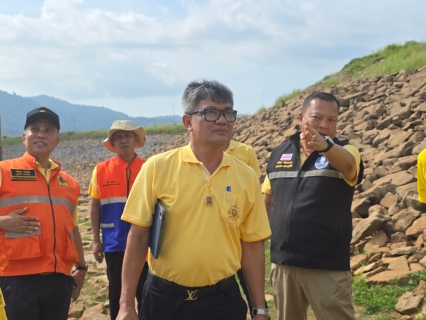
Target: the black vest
(311, 217)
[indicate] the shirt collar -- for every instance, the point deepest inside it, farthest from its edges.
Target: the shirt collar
(53, 164)
(189, 156)
(231, 146)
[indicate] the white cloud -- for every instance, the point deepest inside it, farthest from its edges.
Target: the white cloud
(74, 51)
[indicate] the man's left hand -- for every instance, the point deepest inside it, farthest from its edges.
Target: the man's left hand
(78, 276)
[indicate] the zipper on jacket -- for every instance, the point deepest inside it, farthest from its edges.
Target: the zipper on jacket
(294, 199)
(53, 219)
(128, 174)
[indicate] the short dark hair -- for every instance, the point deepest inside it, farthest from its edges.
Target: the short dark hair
(319, 95)
(199, 90)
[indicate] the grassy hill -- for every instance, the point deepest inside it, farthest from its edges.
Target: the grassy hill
(101, 134)
(393, 58)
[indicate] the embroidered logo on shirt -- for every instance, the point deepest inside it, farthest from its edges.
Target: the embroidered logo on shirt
(284, 164)
(321, 163)
(62, 182)
(234, 212)
(23, 174)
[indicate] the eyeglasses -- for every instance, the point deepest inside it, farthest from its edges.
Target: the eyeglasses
(212, 115)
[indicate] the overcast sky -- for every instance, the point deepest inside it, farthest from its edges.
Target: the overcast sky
(137, 56)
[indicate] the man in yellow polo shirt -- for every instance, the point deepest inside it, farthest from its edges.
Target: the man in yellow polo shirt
(421, 173)
(216, 222)
(244, 153)
(2, 305)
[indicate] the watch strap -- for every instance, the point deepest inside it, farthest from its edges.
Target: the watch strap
(330, 144)
(263, 312)
(85, 267)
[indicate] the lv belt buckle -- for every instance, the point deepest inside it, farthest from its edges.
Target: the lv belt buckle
(192, 295)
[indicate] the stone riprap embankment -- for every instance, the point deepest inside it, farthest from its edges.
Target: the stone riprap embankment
(79, 157)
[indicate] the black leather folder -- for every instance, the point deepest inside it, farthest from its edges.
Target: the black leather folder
(157, 229)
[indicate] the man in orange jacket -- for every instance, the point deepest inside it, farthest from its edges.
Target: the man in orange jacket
(38, 227)
(109, 187)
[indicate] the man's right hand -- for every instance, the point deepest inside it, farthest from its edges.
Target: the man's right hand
(127, 313)
(98, 251)
(15, 222)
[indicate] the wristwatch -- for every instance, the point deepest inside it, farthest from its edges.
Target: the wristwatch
(263, 312)
(85, 268)
(330, 143)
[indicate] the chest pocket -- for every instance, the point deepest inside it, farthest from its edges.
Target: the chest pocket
(232, 209)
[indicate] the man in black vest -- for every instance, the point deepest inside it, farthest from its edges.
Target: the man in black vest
(308, 193)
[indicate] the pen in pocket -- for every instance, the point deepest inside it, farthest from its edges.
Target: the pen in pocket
(228, 193)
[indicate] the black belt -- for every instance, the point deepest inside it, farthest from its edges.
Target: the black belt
(189, 293)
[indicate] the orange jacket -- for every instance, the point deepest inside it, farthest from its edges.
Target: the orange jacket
(115, 178)
(51, 248)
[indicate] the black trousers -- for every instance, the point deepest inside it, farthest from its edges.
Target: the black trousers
(37, 297)
(114, 262)
(244, 287)
(172, 302)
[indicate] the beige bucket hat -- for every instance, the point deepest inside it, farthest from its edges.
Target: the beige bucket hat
(125, 125)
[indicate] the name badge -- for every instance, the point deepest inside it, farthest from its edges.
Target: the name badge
(23, 174)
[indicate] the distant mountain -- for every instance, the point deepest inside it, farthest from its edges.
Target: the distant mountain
(74, 117)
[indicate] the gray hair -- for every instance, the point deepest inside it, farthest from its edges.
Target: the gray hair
(204, 89)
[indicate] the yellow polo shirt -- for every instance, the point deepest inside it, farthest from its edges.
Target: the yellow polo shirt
(421, 176)
(2, 306)
(201, 243)
(93, 186)
(244, 153)
(266, 187)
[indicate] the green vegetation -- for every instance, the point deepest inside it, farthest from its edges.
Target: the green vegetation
(261, 110)
(10, 141)
(166, 129)
(393, 58)
(287, 97)
(376, 299)
(102, 134)
(381, 299)
(88, 223)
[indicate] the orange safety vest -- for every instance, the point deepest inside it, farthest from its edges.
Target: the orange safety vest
(51, 248)
(115, 178)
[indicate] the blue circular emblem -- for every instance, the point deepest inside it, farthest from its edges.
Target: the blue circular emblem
(321, 163)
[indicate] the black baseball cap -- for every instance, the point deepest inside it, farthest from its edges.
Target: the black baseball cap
(42, 113)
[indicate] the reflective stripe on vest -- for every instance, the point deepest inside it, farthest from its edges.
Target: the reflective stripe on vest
(107, 225)
(305, 174)
(113, 200)
(37, 199)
